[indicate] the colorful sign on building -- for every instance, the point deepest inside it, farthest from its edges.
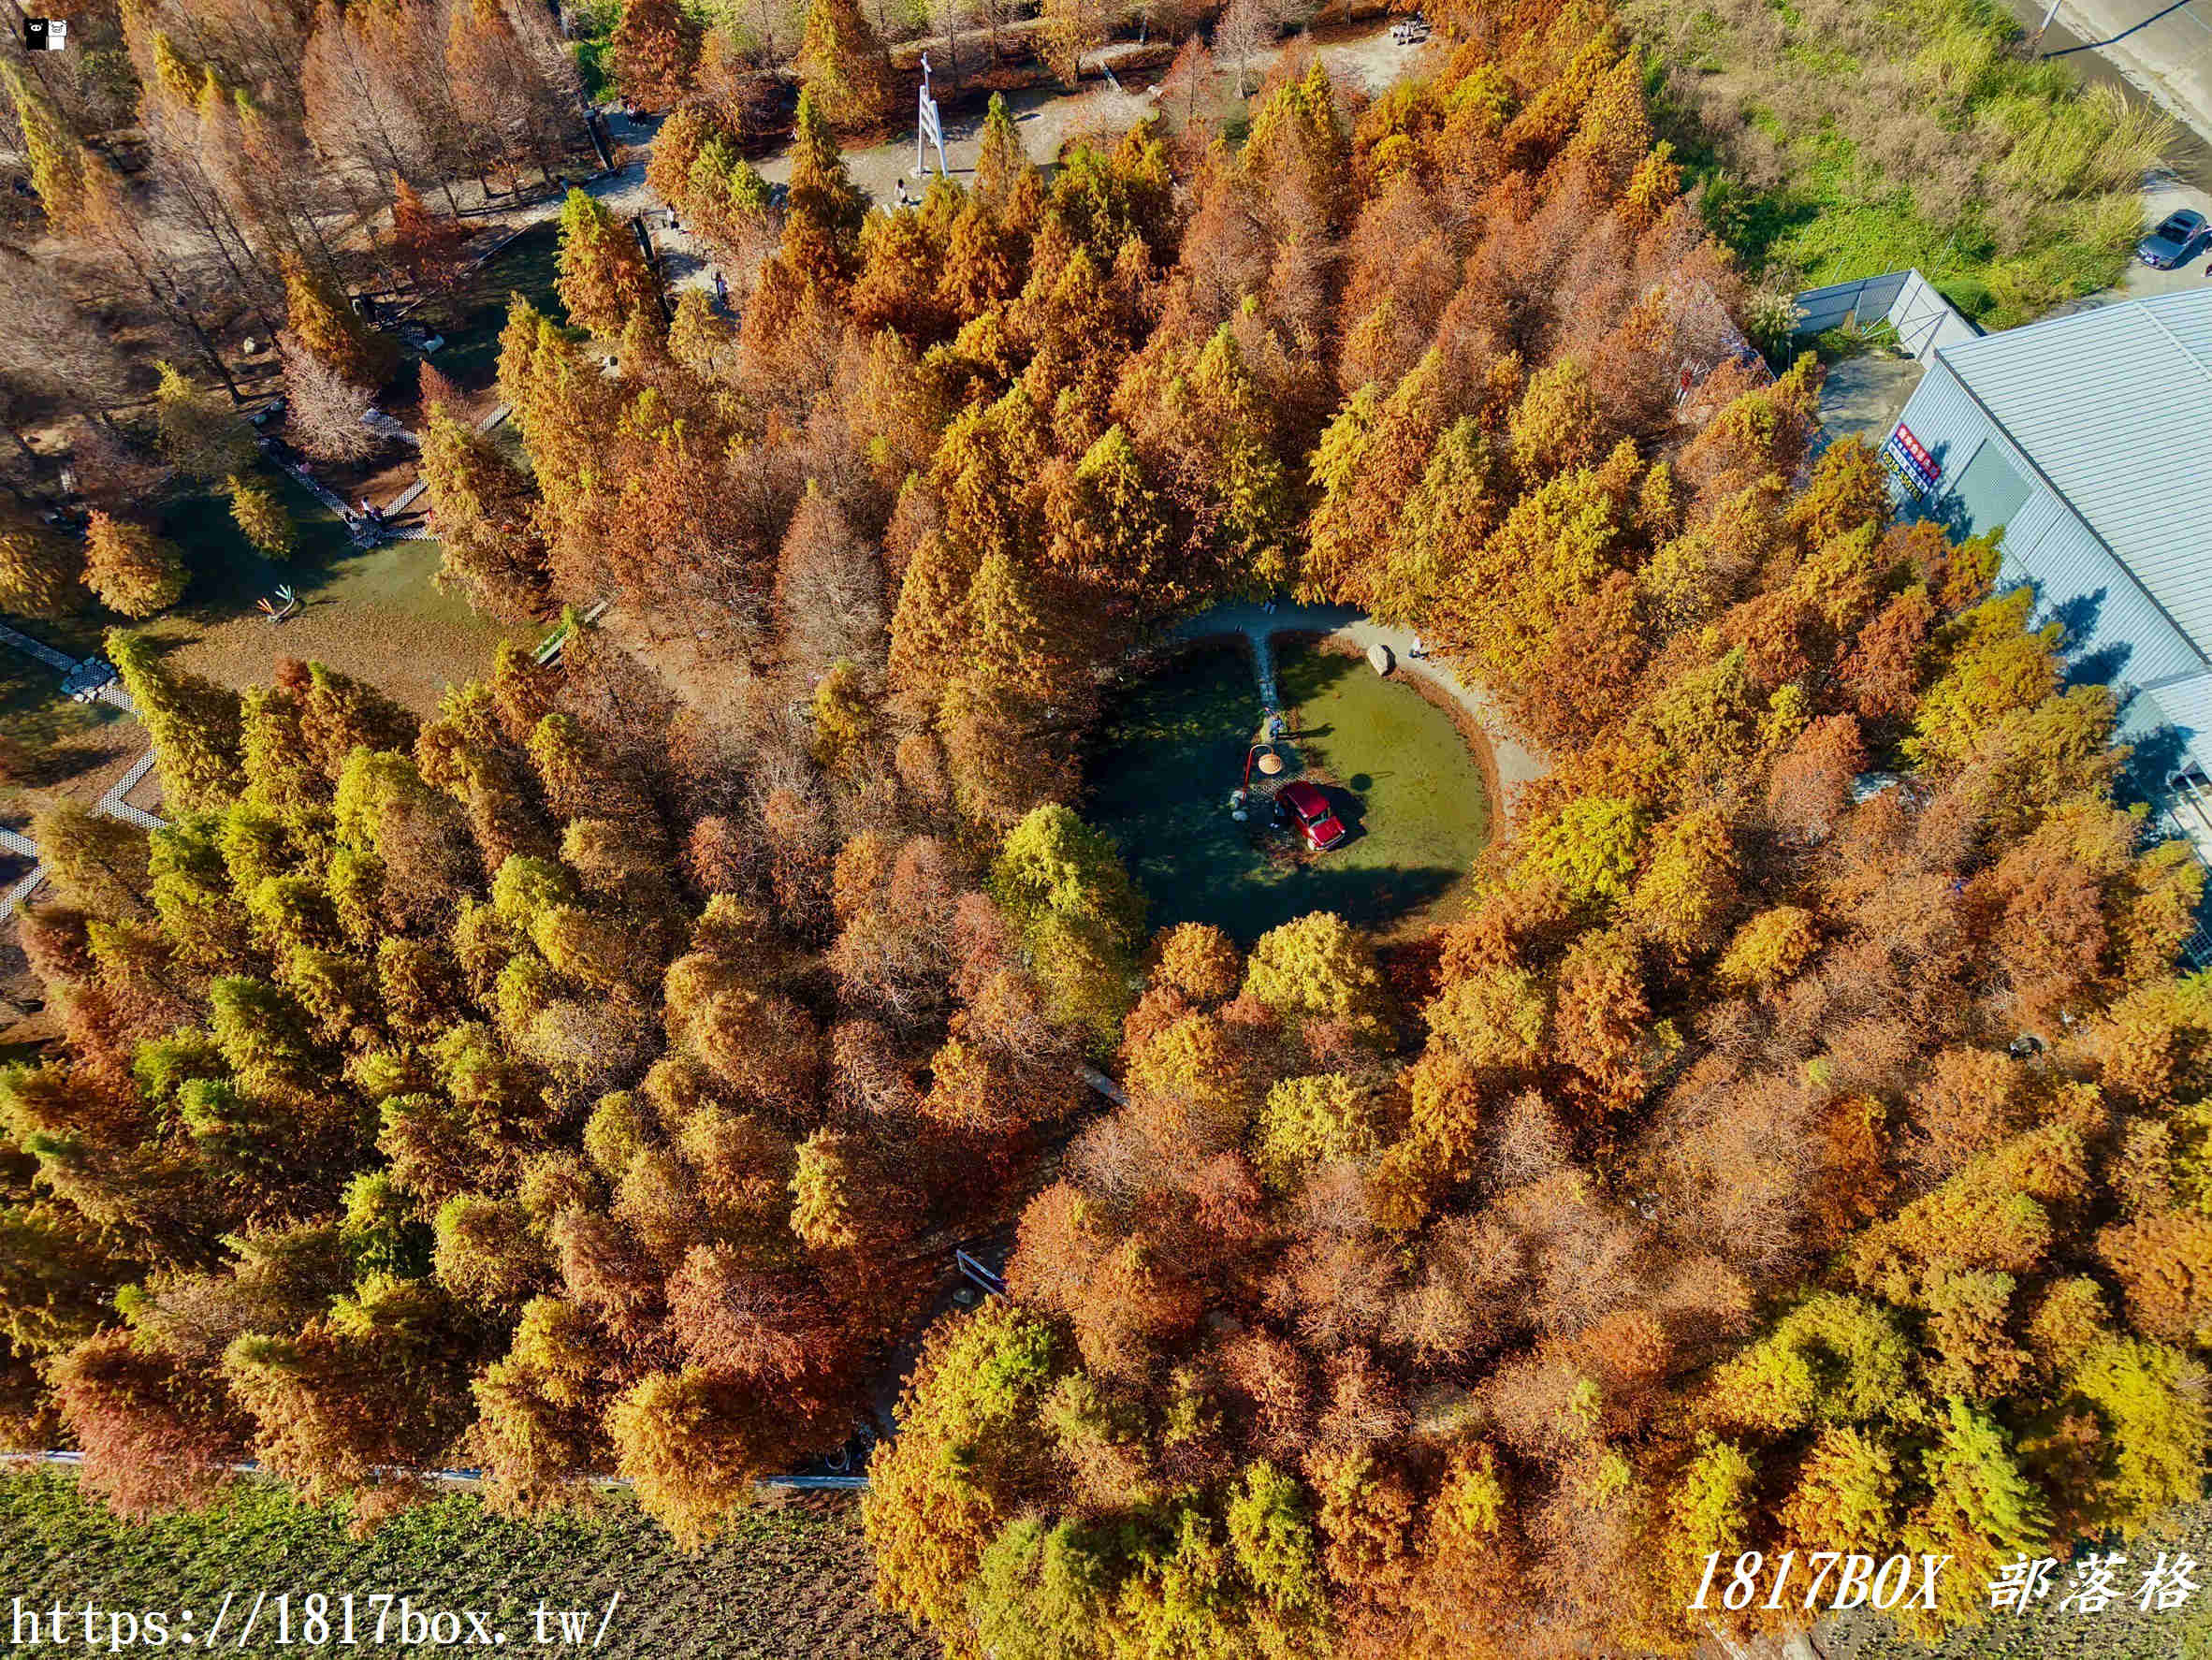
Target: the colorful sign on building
(1913, 467)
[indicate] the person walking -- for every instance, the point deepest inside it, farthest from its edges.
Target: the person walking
(721, 292)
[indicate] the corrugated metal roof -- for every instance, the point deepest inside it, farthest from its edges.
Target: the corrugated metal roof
(2115, 406)
(2184, 711)
(2110, 622)
(2187, 706)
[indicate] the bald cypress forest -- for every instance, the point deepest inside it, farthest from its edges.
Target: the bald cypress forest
(1801, 1142)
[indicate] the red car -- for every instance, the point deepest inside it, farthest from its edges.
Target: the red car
(1303, 805)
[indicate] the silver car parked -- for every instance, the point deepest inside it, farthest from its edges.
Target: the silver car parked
(2179, 235)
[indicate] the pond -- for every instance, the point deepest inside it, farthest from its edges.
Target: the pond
(1395, 766)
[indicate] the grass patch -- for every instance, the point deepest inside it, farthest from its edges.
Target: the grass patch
(788, 1582)
(228, 571)
(374, 612)
(1420, 814)
(527, 266)
(1851, 340)
(50, 739)
(79, 634)
(1843, 139)
(2044, 1631)
(1402, 780)
(75, 749)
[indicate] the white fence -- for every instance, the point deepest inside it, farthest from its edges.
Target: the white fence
(1906, 301)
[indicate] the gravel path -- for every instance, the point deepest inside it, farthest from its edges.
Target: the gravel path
(1512, 761)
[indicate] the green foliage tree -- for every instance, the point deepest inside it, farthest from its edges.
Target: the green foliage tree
(823, 214)
(203, 437)
(38, 573)
(1997, 667)
(332, 332)
(481, 508)
(604, 281)
(261, 516)
(1197, 960)
(1063, 886)
(1317, 967)
(844, 717)
(1591, 849)
(56, 155)
(940, 1493)
(101, 864)
(1002, 161)
(1311, 1120)
(194, 723)
(1042, 1590)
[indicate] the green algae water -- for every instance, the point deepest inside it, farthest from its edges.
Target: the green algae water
(1394, 768)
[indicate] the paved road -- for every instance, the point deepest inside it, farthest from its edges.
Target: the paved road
(2167, 63)
(2164, 47)
(2161, 195)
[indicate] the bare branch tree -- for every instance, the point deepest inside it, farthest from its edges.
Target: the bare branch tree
(324, 410)
(1183, 91)
(516, 86)
(1247, 29)
(47, 343)
(948, 18)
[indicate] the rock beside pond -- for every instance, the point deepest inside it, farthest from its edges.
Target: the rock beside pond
(1379, 655)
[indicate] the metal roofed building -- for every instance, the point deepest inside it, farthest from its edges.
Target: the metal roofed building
(2088, 440)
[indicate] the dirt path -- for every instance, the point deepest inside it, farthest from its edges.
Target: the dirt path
(1047, 118)
(1511, 761)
